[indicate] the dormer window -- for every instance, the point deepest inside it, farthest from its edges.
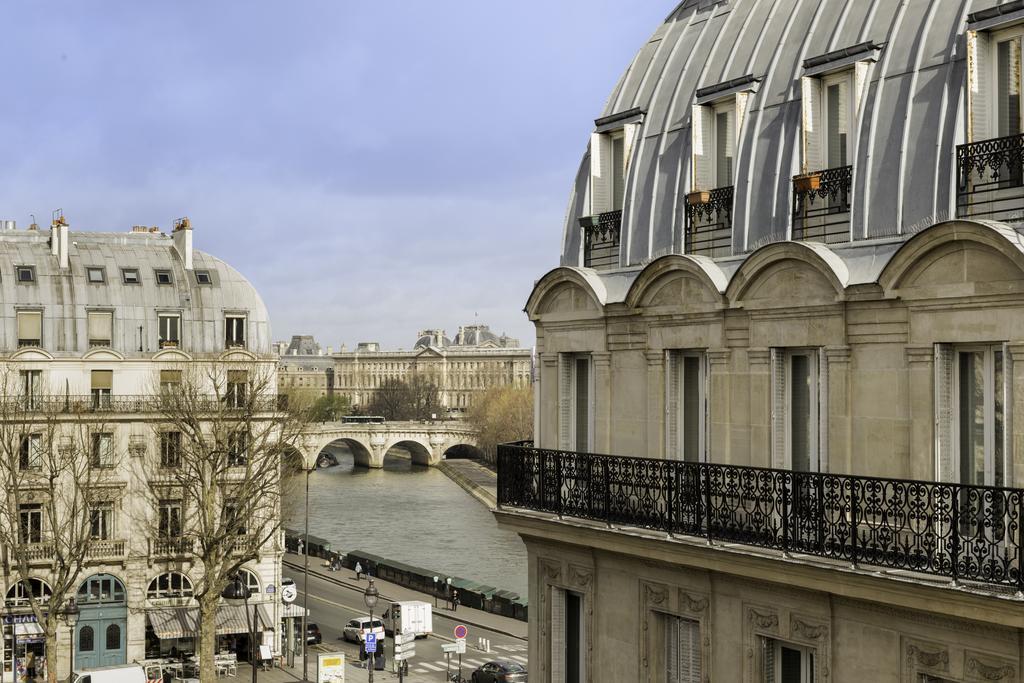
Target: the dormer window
(163, 277)
(30, 328)
(101, 328)
(26, 273)
(234, 331)
(96, 275)
(130, 276)
(203, 277)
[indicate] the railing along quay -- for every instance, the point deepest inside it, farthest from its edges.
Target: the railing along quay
(132, 404)
(965, 532)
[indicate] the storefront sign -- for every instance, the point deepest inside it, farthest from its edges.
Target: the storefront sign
(271, 588)
(19, 619)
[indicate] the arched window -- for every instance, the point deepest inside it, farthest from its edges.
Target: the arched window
(85, 639)
(101, 588)
(170, 585)
(251, 581)
(18, 595)
(113, 637)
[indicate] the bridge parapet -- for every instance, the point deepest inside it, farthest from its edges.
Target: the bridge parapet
(426, 441)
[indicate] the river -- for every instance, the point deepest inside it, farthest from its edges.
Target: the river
(415, 515)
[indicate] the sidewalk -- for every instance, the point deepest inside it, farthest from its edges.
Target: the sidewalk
(389, 591)
(479, 481)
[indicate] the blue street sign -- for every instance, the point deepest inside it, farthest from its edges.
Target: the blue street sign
(371, 642)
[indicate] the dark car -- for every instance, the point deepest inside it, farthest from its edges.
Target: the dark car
(500, 671)
(313, 636)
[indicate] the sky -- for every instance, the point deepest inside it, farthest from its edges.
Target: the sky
(374, 168)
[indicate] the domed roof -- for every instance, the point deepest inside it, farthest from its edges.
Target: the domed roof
(909, 92)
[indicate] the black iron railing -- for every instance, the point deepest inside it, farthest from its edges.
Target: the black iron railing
(970, 533)
(821, 205)
(601, 239)
(106, 403)
(990, 179)
(709, 222)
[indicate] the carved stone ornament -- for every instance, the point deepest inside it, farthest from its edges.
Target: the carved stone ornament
(580, 576)
(988, 672)
(655, 594)
(764, 621)
(937, 659)
(805, 630)
(692, 604)
(551, 570)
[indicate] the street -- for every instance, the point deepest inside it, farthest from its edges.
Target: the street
(334, 601)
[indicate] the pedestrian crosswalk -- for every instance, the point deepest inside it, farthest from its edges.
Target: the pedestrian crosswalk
(473, 662)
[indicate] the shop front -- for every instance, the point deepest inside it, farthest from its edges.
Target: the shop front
(24, 638)
(172, 632)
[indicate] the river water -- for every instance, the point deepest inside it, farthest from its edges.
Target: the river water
(415, 515)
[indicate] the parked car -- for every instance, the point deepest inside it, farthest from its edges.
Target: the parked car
(121, 673)
(500, 671)
(356, 628)
(313, 635)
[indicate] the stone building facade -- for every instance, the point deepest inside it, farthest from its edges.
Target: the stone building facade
(790, 305)
(105, 322)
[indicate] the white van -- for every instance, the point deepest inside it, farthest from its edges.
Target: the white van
(123, 673)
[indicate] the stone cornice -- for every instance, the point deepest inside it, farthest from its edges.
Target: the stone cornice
(920, 353)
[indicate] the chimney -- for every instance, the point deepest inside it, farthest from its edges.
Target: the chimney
(59, 240)
(8, 225)
(182, 236)
(330, 350)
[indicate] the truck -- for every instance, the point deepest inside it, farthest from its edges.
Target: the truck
(409, 617)
(121, 673)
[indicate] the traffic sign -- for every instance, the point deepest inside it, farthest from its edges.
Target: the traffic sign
(371, 642)
(405, 650)
(450, 648)
(461, 631)
(404, 638)
(460, 646)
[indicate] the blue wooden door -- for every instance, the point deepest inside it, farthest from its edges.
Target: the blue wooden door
(100, 633)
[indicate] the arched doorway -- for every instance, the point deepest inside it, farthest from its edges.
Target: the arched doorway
(102, 622)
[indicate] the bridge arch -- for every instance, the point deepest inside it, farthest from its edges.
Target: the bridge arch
(362, 452)
(419, 450)
(462, 450)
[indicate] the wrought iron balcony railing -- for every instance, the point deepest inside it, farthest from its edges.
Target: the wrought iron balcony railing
(990, 179)
(709, 222)
(601, 239)
(969, 533)
(106, 403)
(821, 205)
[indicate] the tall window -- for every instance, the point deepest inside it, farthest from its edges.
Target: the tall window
(238, 448)
(234, 331)
(568, 637)
(31, 387)
(101, 328)
(238, 381)
(609, 159)
(234, 522)
(725, 141)
(170, 518)
(980, 415)
(1007, 82)
(686, 406)
(102, 385)
(170, 327)
(170, 381)
(30, 453)
(576, 402)
(170, 449)
(30, 523)
(102, 450)
(797, 397)
(30, 328)
(101, 522)
(837, 110)
(787, 663)
(682, 650)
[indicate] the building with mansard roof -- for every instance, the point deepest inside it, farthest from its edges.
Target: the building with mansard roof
(789, 310)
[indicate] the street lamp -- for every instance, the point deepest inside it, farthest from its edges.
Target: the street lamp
(370, 596)
(448, 589)
(303, 638)
(238, 592)
(71, 612)
(436, 579)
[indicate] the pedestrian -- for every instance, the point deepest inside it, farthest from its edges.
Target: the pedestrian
(455, 600)
(359, 571)
(30, 666)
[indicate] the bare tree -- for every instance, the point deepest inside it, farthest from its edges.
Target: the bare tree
(416, 397)
(223, 439)
(55, 454)
(501, 415)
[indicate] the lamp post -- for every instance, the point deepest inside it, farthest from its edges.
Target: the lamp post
(436, 579)
(305, 582)
(448, 589)
(71, 617)
(237, 592)
(370, 596)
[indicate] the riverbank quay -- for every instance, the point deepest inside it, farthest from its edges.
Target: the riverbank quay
(476, 479)
(391, 592)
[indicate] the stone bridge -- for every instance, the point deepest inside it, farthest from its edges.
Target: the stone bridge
(427, 442)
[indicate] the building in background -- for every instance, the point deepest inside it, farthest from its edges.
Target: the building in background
(304, 367)
(102, 325)
(792, 288)
(476, 360)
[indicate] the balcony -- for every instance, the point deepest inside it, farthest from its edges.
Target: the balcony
(34, 553)
(170, 547)
(821, 205)
(102, 550)
(990, 179)
(966, 533)
(107, 403)
(601, 240)
(709, 222)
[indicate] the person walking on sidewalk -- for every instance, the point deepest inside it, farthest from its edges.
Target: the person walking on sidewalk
(359, 571)
(455, 600)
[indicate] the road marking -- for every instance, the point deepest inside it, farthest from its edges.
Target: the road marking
(431, 667)
(519, 658)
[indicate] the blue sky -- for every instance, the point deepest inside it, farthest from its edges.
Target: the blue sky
(375, 168)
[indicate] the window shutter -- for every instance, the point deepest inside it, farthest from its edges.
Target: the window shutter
(557, 635)
(778, 400)
(703, 147)
(30, 325)
(103, 379)
(944, 464)
(724, 143)
(979, 84)
(822, 411)
(672, 371)
(682, 650)
(741, 111)
(600, 173)
(170, 376)
(1007, 389)
(810, 89)
(101, 325)
(768, 659)
(565, 362)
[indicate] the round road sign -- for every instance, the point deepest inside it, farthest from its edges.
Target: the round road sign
(461, 631)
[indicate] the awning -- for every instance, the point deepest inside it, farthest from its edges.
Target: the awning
(292, 610)
(183, 622)
(29, 628)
